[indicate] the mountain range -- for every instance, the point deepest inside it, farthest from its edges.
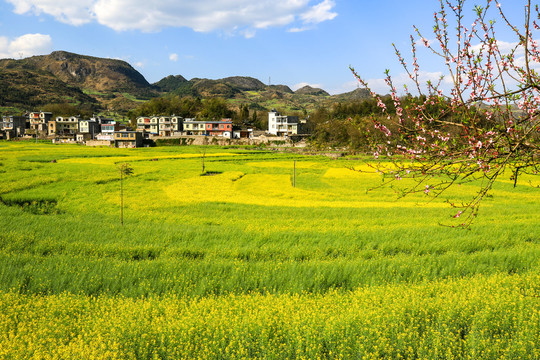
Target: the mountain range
(102, 83)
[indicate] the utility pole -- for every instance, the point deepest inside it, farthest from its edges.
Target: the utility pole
(125, 170)
(121, 198)
(294, 174)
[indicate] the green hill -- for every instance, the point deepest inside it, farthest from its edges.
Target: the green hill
(64, 77)
(99, 83)
(31, 88)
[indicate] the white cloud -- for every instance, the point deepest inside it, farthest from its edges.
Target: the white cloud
(67, 11)
(380, 87)
(519, 53)
(319, 13)
(173, 57)
(504, 47)
(248, 34)
(4, 44)
(296, 29)
(302, 84)
(229, 16)
(345, 87)
(25, 45)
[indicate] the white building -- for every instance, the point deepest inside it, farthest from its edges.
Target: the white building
(282, 125)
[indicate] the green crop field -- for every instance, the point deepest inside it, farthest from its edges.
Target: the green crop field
(236, 263)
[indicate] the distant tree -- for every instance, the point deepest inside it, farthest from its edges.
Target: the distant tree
(66, 109)
(488, 124)
(168, 105)
(190, 106)
(186, 89)
(215, 108)
(259, 120)
(125, 170)
(244, 113)
(132, 122)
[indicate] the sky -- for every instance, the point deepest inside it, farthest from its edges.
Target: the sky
(288, 42)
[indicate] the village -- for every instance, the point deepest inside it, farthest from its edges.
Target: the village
(101, 131)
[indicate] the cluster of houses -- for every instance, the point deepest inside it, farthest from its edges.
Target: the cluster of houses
(71, 129)
(100, 130)
(278, 125)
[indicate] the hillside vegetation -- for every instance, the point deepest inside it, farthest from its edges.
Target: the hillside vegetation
(30, 88)
(100, 83)
(64, 77)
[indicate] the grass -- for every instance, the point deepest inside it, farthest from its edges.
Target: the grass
(132, 98)
(5, 110)
(325, 269)
(94, 92)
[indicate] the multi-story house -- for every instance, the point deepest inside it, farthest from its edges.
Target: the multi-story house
(170, 125)
(13, 126)
(155, 128)
(177, 124)
(165, 128)
(51, 128)
(282, 125)
(148, 124)
(194, 127)
(91, 127)
(33, 118)
(219, 128)
(108, 128)
(128, 139)
(39, 121)
(64, 126)
(211, 128)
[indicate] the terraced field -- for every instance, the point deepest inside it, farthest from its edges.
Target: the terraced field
(237, 263)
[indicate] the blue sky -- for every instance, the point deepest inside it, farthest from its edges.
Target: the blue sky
(290, 42)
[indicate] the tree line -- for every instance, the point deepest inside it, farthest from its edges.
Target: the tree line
(204, 109)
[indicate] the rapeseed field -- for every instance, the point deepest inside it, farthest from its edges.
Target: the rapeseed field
(237, 263)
